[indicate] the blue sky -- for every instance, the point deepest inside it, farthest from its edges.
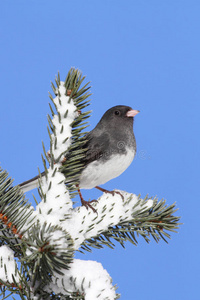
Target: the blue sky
(144, 54)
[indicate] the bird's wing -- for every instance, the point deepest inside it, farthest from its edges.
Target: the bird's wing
(96, 146)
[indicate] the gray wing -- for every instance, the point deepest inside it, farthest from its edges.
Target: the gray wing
(97, 147)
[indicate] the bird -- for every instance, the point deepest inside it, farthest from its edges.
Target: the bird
(110, 149)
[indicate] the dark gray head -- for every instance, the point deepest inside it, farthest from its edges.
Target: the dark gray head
(118, 116)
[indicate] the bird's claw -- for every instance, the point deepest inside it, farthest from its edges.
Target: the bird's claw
(109, 192)
(116, 192)
(88, 204)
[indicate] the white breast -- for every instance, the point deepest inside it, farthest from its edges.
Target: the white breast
(99, 173)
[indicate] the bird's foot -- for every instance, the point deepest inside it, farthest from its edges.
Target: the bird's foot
(84, 202)
(88, 204)
(109, 192)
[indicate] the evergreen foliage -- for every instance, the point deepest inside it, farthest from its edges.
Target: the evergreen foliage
(43, 240)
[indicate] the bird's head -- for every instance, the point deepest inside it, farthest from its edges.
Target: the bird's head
(118, 116)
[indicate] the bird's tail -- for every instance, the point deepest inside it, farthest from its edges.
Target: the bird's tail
(30, 184)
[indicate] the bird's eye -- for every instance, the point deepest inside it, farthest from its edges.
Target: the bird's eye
(117, 113)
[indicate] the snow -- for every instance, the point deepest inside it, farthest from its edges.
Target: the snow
(59, 239)
(7, 259)
(67, 113)
(57, 203)
(88, 278)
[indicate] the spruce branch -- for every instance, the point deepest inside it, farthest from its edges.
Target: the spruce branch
(155, 222)
(121, 220)
(49, 250)
(16, 214)
(69, 95)
(44, 240)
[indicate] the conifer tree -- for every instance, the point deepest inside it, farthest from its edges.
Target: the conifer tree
(38, 244)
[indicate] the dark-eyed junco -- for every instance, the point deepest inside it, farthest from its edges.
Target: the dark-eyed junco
(111, 147)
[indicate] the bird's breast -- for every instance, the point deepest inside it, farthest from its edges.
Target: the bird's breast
(102, 170)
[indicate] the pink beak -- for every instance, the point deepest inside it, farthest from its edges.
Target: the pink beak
(132, 113)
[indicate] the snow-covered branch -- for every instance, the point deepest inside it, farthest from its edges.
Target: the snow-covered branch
(85, 278)
(8, 266)
(45, 238)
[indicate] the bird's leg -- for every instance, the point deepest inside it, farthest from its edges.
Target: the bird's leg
(109, 192)
(84, 202)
